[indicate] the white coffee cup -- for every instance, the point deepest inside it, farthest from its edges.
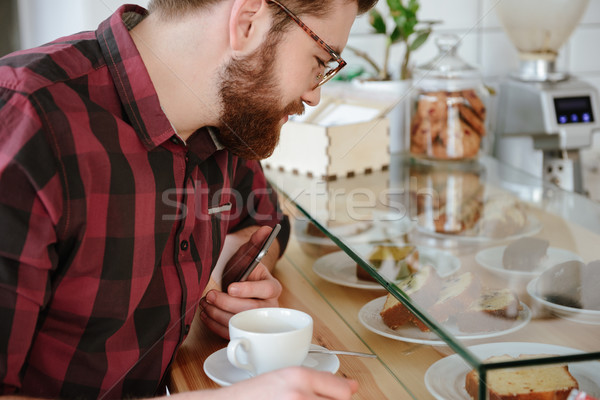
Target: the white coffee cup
(266, 339)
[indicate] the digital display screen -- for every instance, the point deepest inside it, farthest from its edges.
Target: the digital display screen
(573, 110)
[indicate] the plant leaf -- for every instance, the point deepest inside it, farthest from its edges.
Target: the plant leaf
(377, 21)
(395, 6)
(396, 35)
(419, 40)
(413, 6)
(406, 22)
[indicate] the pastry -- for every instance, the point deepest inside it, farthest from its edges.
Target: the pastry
(422, 287)
(391, 262)
(502, 216)
(544, 382)
(590, 295)
(525, 254)
(456, 295)
(493, 310)
(572, 284)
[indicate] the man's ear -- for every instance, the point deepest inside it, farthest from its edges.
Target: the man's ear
(249, 23)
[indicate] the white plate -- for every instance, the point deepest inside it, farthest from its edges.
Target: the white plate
(532, 227)
(571, 313)
(339, 268)
(370, 318)
(491, 259)
(368, 231)
(218, 368)
(445, 379)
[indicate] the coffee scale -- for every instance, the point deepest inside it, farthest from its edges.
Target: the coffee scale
(545, 117)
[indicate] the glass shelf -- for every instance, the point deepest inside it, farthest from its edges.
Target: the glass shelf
(460, 218)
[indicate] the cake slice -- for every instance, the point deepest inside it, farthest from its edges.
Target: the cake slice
(525, 254)
(456, 295)
(590, 295)
(391, 262)
(561, 284)
(544, 382)
(493, 310)
(422, 287)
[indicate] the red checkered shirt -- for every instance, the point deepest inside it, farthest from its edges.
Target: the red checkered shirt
(110, 225)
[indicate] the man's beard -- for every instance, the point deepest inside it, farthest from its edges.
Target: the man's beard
(251, 113)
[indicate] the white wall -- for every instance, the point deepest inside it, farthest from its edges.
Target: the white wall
(44, 20)
(484, 43)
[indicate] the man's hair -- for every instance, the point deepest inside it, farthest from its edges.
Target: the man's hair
(173, 8)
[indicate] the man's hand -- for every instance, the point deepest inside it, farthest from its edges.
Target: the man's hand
(260, 290)
(295, 383)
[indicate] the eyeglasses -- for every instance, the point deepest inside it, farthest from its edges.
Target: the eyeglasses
(330, 70)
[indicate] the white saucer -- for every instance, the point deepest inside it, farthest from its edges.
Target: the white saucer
(340, 269)
(218, 368)
(571, 313)
(491, 259)
(532, 227)
(370, 318)
(445, 379)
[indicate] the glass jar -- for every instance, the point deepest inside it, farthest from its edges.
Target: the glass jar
(447, 199)
(448, 106)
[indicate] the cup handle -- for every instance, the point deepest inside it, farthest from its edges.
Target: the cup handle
(232, 347)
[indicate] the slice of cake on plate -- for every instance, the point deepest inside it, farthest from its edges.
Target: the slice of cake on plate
(422, 287)
(391, 262)
(526, 254)
(493, 310)
(456, 296)
(543, 382)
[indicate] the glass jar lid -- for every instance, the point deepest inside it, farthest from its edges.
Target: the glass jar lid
(447, 71)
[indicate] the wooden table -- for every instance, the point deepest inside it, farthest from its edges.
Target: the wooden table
(398, 371)
(330, 330)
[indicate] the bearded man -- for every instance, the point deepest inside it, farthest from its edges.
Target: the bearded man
(129, 174)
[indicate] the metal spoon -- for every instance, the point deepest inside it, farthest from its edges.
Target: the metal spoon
(341, 352)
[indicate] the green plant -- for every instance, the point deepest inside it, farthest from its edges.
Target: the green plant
(406, 29)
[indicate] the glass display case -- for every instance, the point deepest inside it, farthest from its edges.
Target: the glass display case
(482, 264)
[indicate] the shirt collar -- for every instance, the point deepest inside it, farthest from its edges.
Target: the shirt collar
(134, 85)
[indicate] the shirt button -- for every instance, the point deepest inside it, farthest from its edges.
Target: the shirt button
(186, 330)
(184, 245)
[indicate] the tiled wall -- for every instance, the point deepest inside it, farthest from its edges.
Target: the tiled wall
(484, 42)
(485, 45)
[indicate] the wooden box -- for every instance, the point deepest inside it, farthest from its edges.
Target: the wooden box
(331, 151)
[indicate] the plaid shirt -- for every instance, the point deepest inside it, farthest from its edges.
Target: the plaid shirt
(110, 225)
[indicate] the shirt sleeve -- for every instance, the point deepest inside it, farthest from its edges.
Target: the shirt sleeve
(256, 202)
(27, 233)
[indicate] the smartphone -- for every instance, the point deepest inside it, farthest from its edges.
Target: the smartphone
(244, 266)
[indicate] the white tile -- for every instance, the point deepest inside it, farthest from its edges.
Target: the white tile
(361, 25)
(455, 14)
(499, 56)
(488, 15)
(373, 45)
(583, 54)
(467, 49)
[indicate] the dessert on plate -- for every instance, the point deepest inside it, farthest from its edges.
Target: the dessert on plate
(493, 310)
(459, 300)
(543, 382)
(391, 262)
(422, 287)
(525, 254)
(572, 284)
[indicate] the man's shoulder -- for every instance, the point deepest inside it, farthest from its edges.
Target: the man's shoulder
(65, 59)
